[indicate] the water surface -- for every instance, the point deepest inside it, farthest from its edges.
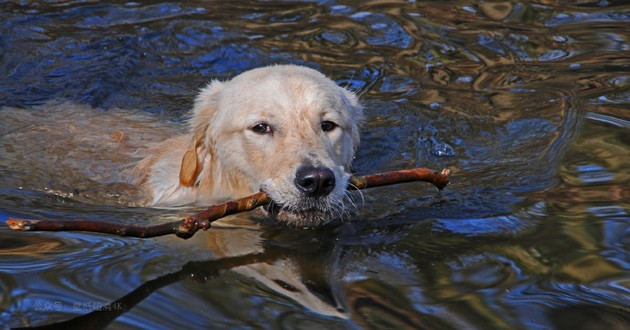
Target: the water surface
(527, 102)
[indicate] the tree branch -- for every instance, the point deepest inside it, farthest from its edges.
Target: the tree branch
(187, 227)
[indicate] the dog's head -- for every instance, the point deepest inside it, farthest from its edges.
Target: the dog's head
(286, 130)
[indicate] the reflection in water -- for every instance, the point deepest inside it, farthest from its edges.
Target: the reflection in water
(525, 101)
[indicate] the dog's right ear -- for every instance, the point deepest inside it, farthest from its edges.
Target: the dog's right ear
(192, 162)
(203, 112)
(188, 173)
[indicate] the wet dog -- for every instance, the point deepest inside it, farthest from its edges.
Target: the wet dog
(287, 130)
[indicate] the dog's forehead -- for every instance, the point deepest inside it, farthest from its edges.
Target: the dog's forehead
(279, 91)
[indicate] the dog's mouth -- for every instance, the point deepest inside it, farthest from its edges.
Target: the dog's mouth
(307, 205)
(310, 215)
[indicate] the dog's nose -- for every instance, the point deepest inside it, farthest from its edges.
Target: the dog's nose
(315, 181)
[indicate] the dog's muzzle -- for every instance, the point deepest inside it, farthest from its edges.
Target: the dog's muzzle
(315, 199)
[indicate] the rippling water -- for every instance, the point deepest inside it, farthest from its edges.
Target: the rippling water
(527, 103)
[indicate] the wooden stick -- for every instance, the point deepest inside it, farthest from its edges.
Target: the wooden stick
(187, 227)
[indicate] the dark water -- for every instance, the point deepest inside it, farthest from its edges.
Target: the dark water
(527, 102)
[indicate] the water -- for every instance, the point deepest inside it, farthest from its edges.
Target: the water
(527, 103)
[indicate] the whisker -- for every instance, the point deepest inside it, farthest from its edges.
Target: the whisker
(358, 191)
(342, 210)
(349, 81)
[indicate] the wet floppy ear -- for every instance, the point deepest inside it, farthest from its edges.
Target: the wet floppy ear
(187, 174)
(203, 112)
(192, 162)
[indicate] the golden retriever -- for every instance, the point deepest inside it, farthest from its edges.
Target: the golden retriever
(287, 130)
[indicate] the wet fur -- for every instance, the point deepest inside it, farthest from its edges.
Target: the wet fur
(139, 159)
(221, 158)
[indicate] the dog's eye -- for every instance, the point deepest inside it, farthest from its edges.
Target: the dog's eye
(328, 126)
(261, 128)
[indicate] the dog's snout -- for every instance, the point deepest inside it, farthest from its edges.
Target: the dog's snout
(315, 181)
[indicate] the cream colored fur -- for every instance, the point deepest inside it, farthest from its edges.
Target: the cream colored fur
(221, 157)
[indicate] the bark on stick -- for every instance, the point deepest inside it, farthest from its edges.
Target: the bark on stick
(187, 227)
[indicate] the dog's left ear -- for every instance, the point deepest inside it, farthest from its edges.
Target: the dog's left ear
(355, 118)
(202, 113)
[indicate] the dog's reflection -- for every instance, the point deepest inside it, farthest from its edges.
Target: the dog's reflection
(307, 266)
(275, 257)
(296, 266)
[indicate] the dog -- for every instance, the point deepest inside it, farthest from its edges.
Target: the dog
(286, 130)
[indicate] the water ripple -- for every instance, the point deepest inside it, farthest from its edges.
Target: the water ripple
(38, 252)
(496, 91)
